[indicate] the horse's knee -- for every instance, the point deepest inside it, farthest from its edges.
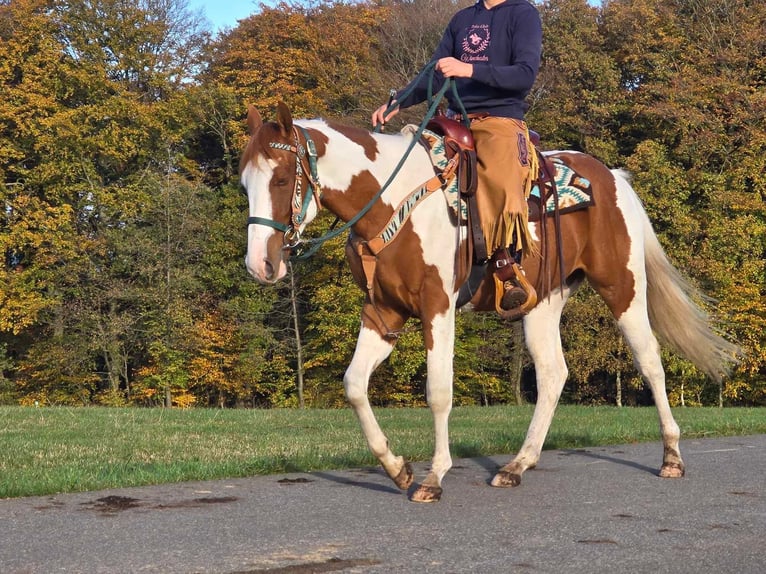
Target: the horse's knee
(440, 400)
(355, 390)
(551, 383)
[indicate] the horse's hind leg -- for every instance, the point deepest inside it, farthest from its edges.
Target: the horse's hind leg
(371, 350)
(541, 330)
(635, 327)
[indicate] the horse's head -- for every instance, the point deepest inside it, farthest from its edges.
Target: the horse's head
(278, 174)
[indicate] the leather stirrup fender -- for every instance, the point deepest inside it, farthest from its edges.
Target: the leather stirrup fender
(468, 179)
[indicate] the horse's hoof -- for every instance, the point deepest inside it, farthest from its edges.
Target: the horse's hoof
(425, 493)
(405, 477)
(672, 470)
(505, 479)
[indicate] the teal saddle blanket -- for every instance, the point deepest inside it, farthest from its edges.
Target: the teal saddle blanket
(574, 191)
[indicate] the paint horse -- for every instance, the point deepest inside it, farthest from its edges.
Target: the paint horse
(611, 244)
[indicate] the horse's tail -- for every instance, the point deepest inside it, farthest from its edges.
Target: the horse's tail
(677, 319)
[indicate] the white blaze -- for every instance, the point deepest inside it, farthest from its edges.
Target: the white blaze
(255, 180)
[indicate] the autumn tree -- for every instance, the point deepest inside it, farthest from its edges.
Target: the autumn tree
(577, 102)
(693, 74)
(313, 56)
(147, 47)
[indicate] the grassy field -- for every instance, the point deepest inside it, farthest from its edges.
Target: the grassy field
(50, 450)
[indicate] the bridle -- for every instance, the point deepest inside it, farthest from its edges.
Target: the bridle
(299, 204)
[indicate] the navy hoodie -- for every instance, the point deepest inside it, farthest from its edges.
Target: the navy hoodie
(503, 44)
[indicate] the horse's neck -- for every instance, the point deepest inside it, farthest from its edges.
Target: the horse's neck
(354, 174)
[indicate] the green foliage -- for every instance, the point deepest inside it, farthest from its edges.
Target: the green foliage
(577, 102)
(483, 355)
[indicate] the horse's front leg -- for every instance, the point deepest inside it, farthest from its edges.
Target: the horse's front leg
(372, 348)
(439, 334)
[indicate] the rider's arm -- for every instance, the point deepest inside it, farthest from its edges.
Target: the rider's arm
(526, 42)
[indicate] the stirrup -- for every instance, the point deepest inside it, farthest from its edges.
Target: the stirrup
(519, 279)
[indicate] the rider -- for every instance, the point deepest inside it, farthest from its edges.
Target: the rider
(493, 50)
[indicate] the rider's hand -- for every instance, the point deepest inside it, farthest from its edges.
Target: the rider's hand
(454, 68)
(377, 115)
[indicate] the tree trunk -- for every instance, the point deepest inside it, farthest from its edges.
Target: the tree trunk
(297, 332)
(720, 394)
(517, 361)
(619, 389)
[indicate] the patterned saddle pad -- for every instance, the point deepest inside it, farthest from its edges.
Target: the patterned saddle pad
(574, 191)
(439, 160)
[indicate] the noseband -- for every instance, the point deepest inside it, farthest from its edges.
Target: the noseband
(300, 203)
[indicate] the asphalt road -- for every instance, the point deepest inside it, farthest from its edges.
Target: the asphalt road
(594, 510)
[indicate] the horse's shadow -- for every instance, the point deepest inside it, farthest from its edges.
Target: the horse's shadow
(612, 459)
(345, 481)
(491, 465)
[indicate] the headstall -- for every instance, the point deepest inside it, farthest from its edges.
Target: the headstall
(300, 201)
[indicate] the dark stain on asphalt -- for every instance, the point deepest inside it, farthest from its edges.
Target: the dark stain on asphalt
(53, 504)
(331, 565)
(197, 502)
(573, 451)
(300, 480)
(111, 505)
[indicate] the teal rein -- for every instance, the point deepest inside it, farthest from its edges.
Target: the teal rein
(315, 244)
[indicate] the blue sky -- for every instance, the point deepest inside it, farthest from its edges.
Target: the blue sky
(225, 13)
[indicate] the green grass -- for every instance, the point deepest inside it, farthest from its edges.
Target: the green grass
(50, 450)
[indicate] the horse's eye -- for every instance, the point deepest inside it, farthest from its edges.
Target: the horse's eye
(282, 182)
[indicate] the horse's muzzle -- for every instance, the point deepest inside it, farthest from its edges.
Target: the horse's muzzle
(264, 271)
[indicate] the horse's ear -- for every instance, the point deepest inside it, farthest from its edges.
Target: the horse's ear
(254, 120)
(284, 118)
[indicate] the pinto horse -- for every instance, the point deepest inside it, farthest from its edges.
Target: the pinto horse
(418, 274)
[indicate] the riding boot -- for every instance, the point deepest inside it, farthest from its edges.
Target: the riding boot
(514, 294)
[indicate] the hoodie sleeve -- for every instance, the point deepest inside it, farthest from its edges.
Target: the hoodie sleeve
(525, 44)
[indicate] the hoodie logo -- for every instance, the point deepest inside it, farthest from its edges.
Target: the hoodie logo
(475, 43)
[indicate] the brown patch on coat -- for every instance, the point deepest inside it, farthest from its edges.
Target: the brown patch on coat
(404, 287)
(362, 138)
(346, 204)
(606, 259)
(320, 140)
